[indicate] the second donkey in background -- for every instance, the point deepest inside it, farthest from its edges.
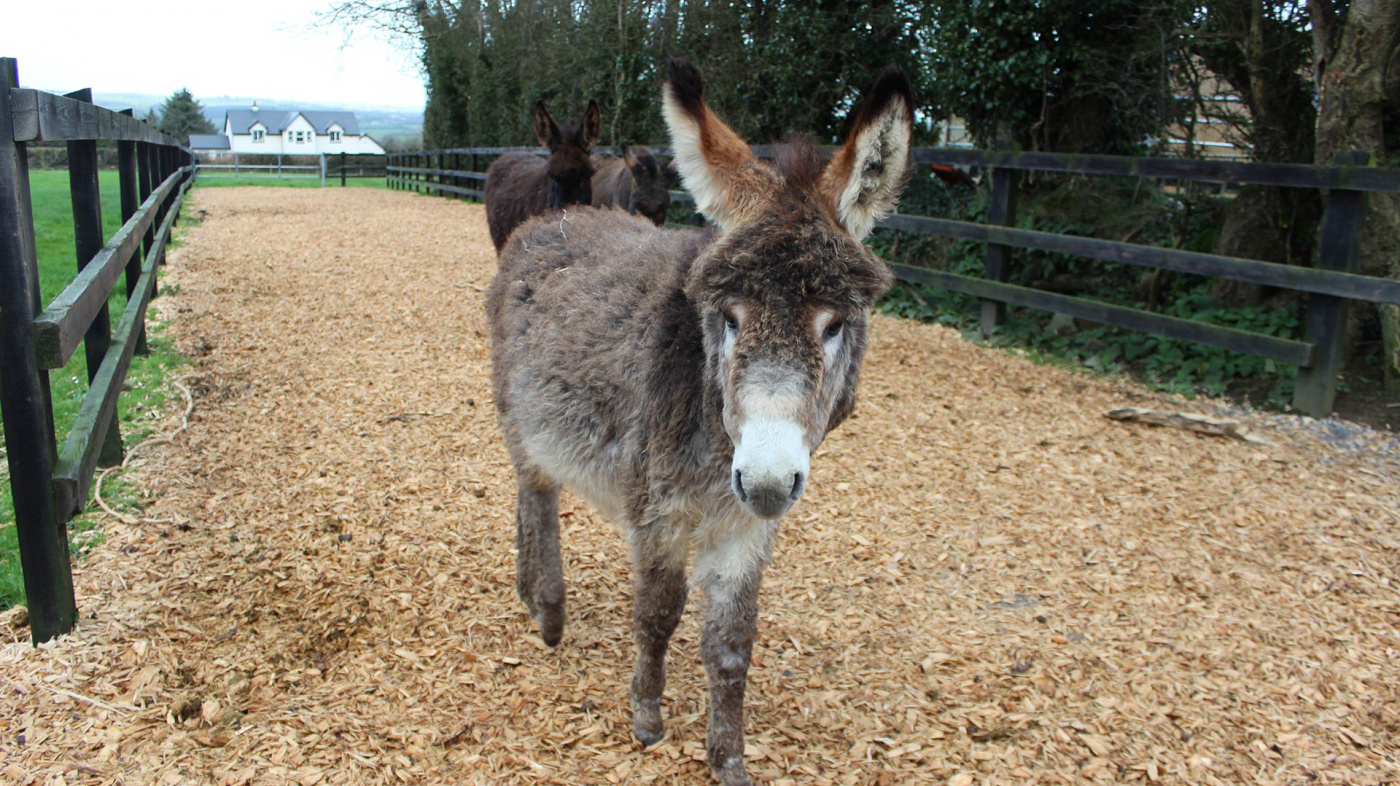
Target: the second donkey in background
(636, 182)
(521, 185)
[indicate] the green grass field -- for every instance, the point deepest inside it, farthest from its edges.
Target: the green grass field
(145, 393)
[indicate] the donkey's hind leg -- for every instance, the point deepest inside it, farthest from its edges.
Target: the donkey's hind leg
(539, 571)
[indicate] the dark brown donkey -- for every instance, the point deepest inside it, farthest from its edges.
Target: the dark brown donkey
(636, 182)
(679, 381)
(520, 185)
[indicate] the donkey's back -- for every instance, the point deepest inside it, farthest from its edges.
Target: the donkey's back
(583, 305)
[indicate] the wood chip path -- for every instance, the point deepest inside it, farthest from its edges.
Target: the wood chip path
(988, 581)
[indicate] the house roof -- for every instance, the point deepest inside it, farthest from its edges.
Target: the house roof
(277, 120)
(209, 142)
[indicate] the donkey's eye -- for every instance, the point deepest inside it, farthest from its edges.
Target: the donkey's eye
(730, 321)
(834, 329)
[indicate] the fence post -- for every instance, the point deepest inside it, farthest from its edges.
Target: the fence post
(1339, 246)
(25, 403)
(88, 239)
(143, 171)
(177, 160)
(126, 174)
(322, 160)
(1001, 211)
(342, 170)
(158, 175)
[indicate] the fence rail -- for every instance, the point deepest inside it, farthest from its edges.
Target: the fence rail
(49, 487)
(328, 166)
(1328, 288)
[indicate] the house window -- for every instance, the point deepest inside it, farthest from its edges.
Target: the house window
(301, 136)
(335, 136)
(257, 135)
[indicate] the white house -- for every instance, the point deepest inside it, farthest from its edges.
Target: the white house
(288, 132)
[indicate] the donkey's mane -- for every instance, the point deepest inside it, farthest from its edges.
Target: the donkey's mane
(799, 162)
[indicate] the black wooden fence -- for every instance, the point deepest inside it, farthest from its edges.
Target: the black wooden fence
(50, 483)
(1329, 287)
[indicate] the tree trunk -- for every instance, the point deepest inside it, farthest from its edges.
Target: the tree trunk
(1355, 93)
(1268, 223)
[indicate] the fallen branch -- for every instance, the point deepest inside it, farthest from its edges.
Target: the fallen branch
(1202, 424)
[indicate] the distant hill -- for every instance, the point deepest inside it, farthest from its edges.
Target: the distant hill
(381, 122)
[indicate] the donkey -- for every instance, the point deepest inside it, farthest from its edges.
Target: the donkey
(520, 185)
(679, 381)
(635, 182)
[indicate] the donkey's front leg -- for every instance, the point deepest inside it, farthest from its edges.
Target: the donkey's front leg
(658, 568)
(731, 572)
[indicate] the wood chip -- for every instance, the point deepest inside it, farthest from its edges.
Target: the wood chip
(986, 581)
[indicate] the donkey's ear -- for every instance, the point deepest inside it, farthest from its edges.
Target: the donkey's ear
(592, 125)
(868, 173)
(716, 166)
(627, 157)
(546, 130)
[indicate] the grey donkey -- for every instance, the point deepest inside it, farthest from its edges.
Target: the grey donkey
(679, 381)
(636, 182)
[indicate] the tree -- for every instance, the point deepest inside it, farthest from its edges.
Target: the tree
(771, 67)
(1260, 50)
(1356, 58)
(1060, 75)
(182, 115)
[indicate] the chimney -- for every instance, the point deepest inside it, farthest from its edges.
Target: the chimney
(255, 106)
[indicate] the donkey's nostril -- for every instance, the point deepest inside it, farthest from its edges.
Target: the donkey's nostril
(798, 483)
(739, 486)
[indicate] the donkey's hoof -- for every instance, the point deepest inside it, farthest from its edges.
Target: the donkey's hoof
(551, 617)
(646, 722)
(648, 737)
(733, 774)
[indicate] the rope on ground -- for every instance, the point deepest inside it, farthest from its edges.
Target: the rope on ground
(163, 439)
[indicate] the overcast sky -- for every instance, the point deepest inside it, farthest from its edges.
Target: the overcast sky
(265, 49)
